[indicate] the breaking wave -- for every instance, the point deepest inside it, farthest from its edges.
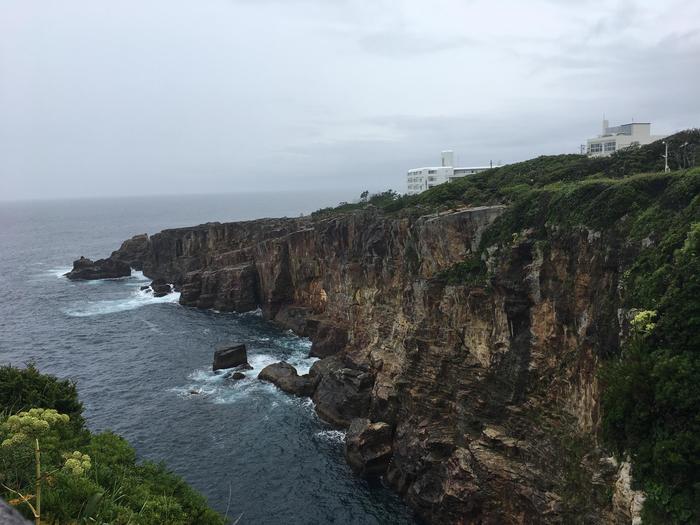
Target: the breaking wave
(136, 299)
(219, 389)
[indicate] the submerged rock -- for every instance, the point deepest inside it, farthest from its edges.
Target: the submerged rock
(230, 356)
(285, 377)
(86, 269)
(368, 447)
(236, 376)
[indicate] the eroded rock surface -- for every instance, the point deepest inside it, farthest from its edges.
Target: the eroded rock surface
(482, 383)
(132, 251)
(368, 447)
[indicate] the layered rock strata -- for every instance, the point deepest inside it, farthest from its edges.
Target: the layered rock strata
(469, 395)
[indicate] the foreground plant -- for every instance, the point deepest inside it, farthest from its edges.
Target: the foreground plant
(55, 471)
(25, 429)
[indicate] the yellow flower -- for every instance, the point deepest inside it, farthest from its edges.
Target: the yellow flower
(643, 322)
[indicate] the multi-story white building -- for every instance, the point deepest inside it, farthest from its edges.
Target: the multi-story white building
(616, 138)
(421, 179)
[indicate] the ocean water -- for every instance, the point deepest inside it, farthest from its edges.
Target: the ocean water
(143, 365)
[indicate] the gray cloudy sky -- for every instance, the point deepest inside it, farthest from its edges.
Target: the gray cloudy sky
(182, 96)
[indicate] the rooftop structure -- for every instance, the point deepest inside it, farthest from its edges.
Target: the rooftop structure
(616, 138)
(421, 179)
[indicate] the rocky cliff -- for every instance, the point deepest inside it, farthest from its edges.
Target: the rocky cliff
(474, 395)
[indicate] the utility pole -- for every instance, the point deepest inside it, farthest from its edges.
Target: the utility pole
(665, 156)
(684, 154)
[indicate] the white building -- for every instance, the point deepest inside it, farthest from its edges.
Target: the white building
(619, 137)
(421, 179)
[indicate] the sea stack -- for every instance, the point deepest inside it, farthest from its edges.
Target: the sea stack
(85, 269)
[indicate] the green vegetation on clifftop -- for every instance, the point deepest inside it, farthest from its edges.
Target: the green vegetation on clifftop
(651, 388)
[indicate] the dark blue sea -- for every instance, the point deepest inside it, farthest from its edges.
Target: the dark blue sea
(143, 365)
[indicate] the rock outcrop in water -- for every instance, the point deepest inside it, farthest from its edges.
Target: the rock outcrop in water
(472, 398)
(230, 356)
(86, 269)
(285, 376)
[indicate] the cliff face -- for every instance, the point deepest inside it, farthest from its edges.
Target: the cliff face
(487, 388)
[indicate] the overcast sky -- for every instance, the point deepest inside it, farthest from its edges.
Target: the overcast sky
(199, 96)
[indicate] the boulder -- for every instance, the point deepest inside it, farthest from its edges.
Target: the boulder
(368, 447)
(160, 288)
(236, 376)
(285, 377)
(230, 356)
(87, 269)
(342, 393)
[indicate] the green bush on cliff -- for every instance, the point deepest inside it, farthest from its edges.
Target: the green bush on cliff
(651, 400)
(471, 271)
(110, 487)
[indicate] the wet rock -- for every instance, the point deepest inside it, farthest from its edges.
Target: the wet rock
(230, 356)
(87, 269)
(236, 376)
(368, 447)
(342, 393)
(160, 288)
(285, 377)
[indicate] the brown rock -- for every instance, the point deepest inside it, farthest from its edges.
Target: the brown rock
(328, 339)
(285, 377)
(368, 447)
(342, 393)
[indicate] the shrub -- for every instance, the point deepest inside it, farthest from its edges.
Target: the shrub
(85, 476)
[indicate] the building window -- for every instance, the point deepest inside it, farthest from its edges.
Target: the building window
(610, 146)
(432, 171)
(596, 147)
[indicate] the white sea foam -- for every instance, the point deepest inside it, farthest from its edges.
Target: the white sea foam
(333, 436)
(221, 390)
(61, 271)
(138, 277)
(137, 299)
(252, 313)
